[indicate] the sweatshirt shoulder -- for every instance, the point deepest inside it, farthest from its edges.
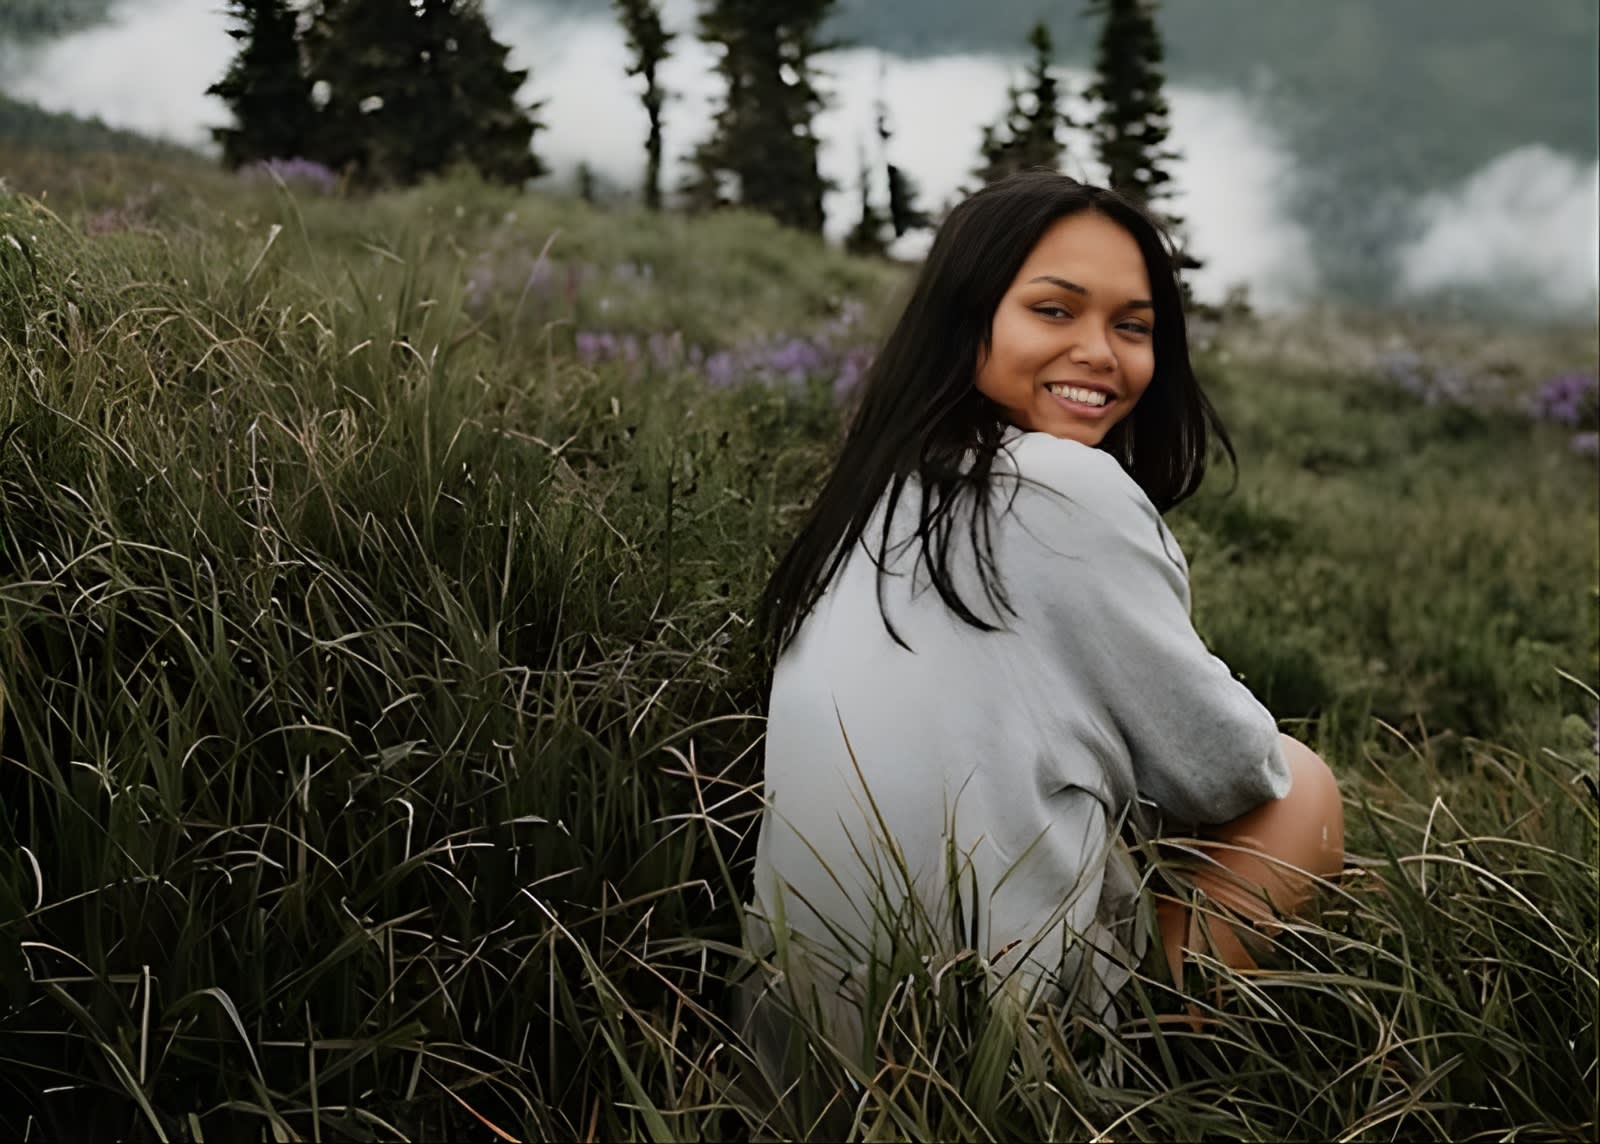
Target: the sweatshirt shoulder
(1073, 468)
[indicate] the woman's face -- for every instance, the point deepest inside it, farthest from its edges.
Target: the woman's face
(1072, 348)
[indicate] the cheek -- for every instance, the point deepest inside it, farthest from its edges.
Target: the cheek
(1019, 350)
(1139, 366)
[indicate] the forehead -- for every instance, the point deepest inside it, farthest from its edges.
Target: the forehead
(1090, 249)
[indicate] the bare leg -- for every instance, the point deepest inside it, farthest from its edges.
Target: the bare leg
(1304, 829)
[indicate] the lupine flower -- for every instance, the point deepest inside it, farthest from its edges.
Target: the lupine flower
(1433, 385)
(722, 370)
(593, 347)
(306, 173)
(1570, 399)
(791, 359)
(666, 350)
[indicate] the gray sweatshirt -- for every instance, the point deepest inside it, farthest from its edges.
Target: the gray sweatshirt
(967, 792)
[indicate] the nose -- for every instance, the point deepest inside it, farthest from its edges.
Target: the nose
(1091, 352)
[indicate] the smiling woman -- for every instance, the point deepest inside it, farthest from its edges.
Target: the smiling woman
(958, 763)
(1072, 350)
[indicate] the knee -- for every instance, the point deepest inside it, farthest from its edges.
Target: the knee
(1304, 829)
(1311, 779)
(1311, 814)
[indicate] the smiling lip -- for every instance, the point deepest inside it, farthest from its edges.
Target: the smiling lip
(1079, 408)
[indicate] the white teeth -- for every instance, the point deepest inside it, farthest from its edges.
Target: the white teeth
(1084, 396)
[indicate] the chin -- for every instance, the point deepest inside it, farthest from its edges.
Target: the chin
(1090, 435)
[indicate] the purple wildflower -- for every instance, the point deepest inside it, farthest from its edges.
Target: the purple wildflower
(793, 359)
(1570, 399)
(307, 173)
(1586, 444)
(1433, 385)
(666, 350)
(594, 347)
(722, 369)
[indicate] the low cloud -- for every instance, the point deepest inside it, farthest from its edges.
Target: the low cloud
(1530, 220)
(146, 69)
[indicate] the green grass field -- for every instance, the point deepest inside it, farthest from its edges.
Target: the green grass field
(381, 710)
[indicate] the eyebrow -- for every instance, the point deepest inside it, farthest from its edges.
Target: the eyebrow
(1073, 287)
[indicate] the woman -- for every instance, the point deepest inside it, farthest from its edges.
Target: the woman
(985, 667)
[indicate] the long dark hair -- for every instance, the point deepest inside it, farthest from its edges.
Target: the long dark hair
(921, 414)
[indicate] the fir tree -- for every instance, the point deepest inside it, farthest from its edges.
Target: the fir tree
(588, 188)
(414, 87)
(494, 131)
(904, 214)
(762, 152)
(648, 40)
(1132, 125)
(1029, 133)
(867, 237)
(265, 87)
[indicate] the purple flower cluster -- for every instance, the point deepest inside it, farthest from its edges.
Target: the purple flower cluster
(1571, 399)
(528, 282)
(307, 173)
(1408, 370)
(662, 352)
(792, 359)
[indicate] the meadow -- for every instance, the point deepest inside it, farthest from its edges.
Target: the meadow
(380, 708)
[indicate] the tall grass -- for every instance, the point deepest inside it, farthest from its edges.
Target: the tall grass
(381, 718)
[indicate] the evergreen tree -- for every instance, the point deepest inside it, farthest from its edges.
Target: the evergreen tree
(494, 132)
(904, 214)
(867, 237)
(414, 87)
(648, 41)
(762, 152)
(1132, 124)
(588, 189)
(1028, 134)
(265, 87)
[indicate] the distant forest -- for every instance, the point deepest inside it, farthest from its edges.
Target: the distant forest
(1378, 100)
(1457, 82)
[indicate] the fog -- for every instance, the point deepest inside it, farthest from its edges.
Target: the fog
(1530, 216)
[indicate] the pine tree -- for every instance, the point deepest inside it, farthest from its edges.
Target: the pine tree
(904, 214)
(588, 187)
(415, 87)
(1028, 134)
(867, 237)
(648, 40)
(265, 87)
(762, 152)
(1132, 124)
(494, 131)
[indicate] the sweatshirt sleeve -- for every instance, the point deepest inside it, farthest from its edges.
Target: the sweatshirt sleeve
(1096, 566)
